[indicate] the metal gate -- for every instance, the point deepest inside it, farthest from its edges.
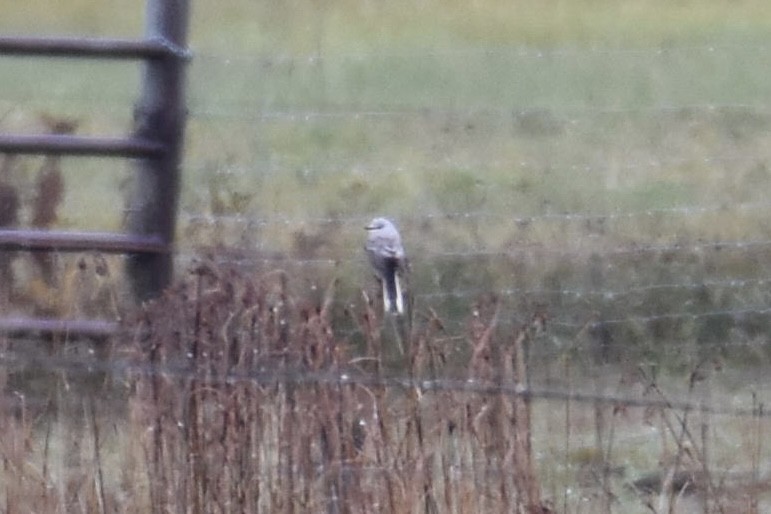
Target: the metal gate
(156, 145)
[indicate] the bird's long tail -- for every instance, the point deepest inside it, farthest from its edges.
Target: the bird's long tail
(392, 292)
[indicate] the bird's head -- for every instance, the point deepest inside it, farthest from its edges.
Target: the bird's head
(379, 224)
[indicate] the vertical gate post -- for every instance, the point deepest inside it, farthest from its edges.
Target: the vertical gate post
(160, 117)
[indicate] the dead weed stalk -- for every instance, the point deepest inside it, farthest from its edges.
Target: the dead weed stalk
(249, 404)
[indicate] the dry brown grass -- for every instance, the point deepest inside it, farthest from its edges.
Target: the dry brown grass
(265, 409)
(245, 395)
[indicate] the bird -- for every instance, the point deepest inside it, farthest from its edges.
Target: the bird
(386, 254)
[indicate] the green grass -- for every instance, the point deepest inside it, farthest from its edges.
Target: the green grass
(299, 26)
(526, 147)
(527, 117)
(431, 57)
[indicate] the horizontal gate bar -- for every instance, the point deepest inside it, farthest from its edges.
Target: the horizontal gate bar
(109, 242)
(79, 145)
(24, 326)
(91, 47)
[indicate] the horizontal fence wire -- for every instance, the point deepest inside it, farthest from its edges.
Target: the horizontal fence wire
(417, 218)
(561, 113)
(569, 114)
(580, 251)
(122, 368)
(518, 51)
(362, 169)
(267, 60)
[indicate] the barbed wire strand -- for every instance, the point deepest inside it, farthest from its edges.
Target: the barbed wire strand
(519, 219)
(240, 112)
(357, 168)
(539, 249)
(310, 377)
(272, 57)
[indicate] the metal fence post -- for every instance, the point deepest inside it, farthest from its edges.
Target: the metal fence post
(159, 117)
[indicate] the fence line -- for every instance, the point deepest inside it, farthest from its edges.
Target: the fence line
(578, 325)
(254, 221)
(607, 294)
(510, 50)
(758, 310)
(358, 168)
(569, 115)
(583, 251)
(238, 113)
(309, 377)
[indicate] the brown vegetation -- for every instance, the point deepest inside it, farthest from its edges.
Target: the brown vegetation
(245, 394)
(262, 407)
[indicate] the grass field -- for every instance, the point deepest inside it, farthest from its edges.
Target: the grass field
(606, 160)
(235, 395)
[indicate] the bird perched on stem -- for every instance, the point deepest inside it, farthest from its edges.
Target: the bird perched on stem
(386, 254)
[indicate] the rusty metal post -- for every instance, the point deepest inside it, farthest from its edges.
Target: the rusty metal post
(159, 117)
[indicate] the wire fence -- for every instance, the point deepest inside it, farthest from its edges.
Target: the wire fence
(595, 203)
(126, 369)
(228, 343)
(628, 205)
(623, 147)
(668, 273)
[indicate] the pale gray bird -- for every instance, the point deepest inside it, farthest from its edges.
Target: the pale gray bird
(386, 254)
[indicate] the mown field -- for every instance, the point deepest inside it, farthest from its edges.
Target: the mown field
(606, 162)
